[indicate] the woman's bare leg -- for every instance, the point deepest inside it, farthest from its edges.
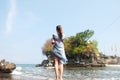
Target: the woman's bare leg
(61, 71)
(56, 67)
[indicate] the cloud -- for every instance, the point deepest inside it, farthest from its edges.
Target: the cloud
(11, 16)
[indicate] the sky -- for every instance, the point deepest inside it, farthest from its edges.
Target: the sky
(25, 25)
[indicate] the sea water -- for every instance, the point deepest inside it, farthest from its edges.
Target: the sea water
(110, 72)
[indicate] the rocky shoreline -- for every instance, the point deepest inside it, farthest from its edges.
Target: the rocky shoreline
(99, 62)
(6, 67)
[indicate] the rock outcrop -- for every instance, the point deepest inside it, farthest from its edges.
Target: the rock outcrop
(6, 67)
(45, 63)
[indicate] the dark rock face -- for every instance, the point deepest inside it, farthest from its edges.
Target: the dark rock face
(6, 67)
(45, 63)
(38, 65)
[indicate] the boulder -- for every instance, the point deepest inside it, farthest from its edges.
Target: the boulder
(6, 67)
(45, 63)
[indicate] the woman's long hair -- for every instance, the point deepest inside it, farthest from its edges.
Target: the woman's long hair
(60, 32)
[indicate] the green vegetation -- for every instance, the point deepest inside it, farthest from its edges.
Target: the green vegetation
(47, 48)
(78, 48)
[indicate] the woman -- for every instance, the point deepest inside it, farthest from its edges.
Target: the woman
(58, 51)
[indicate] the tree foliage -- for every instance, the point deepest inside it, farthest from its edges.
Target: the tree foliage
(77, 44)
(47, 48)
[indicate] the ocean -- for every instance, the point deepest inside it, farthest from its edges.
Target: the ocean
(30, 72)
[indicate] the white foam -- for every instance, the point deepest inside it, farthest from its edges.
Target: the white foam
(17, 71)
(112, 65)
(18, 68)
(103, 79)
(49, 67)
(37, 77)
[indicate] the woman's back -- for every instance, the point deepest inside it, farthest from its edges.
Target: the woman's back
(58, 42)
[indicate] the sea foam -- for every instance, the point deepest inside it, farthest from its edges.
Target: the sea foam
(112, 65)
(17, 71)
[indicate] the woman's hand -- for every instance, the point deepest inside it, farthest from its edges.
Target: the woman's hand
(53, 41)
